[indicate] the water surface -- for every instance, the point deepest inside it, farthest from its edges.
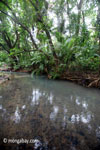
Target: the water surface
(59, 114)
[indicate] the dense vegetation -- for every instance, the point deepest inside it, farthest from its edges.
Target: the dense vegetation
(50, 36)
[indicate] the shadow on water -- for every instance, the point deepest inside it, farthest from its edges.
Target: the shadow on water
(41, 114)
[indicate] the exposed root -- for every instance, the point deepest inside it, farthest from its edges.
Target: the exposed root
(94, 83)
(85, 79)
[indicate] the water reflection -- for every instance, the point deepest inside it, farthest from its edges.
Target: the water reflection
(64, 115)
(78, 101)
(35, 97)
(50, 98)
(53, 114)
(98, 132)
(17, 115)
(86, 118)
(0, 96)
(75, 118)
(84, 104)
(0, 106)
(23, 107)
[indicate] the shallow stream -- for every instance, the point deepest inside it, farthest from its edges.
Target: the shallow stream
(41, 114)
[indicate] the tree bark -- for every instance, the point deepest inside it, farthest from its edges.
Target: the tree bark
(40, 19)
(79, 6)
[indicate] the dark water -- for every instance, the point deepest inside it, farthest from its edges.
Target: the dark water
(41, 114)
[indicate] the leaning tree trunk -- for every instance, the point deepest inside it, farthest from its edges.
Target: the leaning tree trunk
(79, 6)
(98, 23)
(45, 27)
(98, 28)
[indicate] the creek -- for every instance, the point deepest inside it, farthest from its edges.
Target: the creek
(41, 114)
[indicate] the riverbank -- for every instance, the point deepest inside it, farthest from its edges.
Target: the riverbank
(86, 79)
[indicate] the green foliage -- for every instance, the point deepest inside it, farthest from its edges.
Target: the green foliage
(90, 63)
(3, 57)
(29, 37)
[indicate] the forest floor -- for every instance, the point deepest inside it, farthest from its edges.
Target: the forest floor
(86, 79)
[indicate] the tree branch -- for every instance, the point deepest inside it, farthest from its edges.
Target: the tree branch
(40, 19)
(7, 39)
(17, 38)
(15, 19)
(2, 46)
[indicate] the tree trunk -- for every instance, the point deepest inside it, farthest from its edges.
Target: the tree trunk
(40, 19)
(79, 6)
